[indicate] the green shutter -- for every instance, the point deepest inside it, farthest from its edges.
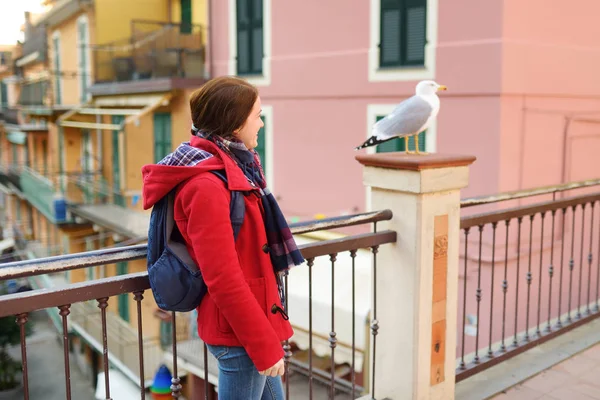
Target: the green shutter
(402, 33)
(82, 32)
(397, 144)
(162, 135)
(261, 148)
(45, 155)
(57, 77)
(186, 16)
(123, 298)
(15, 155)
(118, 198)
(249, 37)
(3, 95)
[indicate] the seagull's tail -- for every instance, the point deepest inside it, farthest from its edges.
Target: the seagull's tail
(372, 141)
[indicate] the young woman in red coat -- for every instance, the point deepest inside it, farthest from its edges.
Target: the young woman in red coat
(241, 319)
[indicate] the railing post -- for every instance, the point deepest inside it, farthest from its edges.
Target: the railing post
(417, 276)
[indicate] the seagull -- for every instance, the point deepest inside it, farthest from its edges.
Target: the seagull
(410, 117)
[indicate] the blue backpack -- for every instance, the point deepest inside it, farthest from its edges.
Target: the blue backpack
(175, 279)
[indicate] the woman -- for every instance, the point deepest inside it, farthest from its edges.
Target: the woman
(241, 319)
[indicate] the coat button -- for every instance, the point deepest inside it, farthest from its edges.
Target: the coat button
(266, 248)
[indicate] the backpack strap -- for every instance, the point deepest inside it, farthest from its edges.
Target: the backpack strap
(237, 208)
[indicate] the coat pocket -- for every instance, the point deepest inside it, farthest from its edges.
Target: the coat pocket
(258, 289)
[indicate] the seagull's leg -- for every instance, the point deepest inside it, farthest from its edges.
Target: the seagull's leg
(406, 145)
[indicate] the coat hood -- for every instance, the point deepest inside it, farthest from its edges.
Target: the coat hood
(159, 179)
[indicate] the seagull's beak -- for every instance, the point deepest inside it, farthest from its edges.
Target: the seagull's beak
(442, 87)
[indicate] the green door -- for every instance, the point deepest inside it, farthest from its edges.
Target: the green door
(186, 16)
(123, 298)
(397, 144)
(162, 135)
(118, 197)
(15, 155)
(3, 95)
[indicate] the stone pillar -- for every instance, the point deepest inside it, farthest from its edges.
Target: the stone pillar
(417, 277)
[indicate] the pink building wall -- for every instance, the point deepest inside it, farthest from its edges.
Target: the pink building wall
(503, 62)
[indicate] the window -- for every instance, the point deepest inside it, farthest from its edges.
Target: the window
(249, 37)
(83, 55)
(162, 135)
(399, 144)
(57, 68)
(186, 16)
(403, 38)
(250, 40)
(265, 144)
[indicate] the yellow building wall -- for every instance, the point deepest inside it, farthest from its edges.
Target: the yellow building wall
(139, 150)
(113, 17)
(70, 85)
(181, 118)
(199, 12)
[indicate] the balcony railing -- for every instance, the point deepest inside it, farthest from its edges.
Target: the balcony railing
(155, 50)
(40, 192)
(10, 116)
(68, 300)
(530, 271)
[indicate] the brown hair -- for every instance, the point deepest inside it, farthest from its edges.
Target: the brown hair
(222, 105)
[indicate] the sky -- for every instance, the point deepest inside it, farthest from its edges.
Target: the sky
(12, 16)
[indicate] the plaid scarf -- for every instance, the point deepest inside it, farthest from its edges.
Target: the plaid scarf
(283, 252)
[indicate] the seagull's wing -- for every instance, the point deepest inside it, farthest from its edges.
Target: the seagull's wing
(406, 119)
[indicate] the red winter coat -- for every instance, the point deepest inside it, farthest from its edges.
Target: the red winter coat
(238, 309)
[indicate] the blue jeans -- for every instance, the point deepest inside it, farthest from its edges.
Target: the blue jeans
(239, 379)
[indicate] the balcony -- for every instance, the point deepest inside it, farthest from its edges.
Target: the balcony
(157, 57)
(9, 116)
(41, 193)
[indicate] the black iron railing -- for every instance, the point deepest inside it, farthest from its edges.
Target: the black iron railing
(102, 290)
(529, 273)
(155, 50)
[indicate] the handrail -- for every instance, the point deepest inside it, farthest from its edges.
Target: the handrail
(518, 194)
(62, 263)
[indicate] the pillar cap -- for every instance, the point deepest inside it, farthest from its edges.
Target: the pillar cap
(414, 162)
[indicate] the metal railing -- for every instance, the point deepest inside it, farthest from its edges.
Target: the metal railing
(529, 273)
(34, 94)
(101, 290)
(155, 50)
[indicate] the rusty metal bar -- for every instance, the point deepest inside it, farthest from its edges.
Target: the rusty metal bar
(138, 296)
(562, 265)
(494, 226)
(539, 303)
(529, 277)
(590, 257)
(581, 260)
(362, 241)
(286, 347)
(205, 371)
(340, 222)
(375, 323)
(505, 285)
(353, 377)
(478, 294)
(464, 323)
(501, 215)
(175, 381)
(571, 263)
(519, 220)
(62, 263)
(518, 194)
(102, 304)
(551, 274)
(310, 262)
(21, 320)
(33, 300)
(332, 334)
(64, 312)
